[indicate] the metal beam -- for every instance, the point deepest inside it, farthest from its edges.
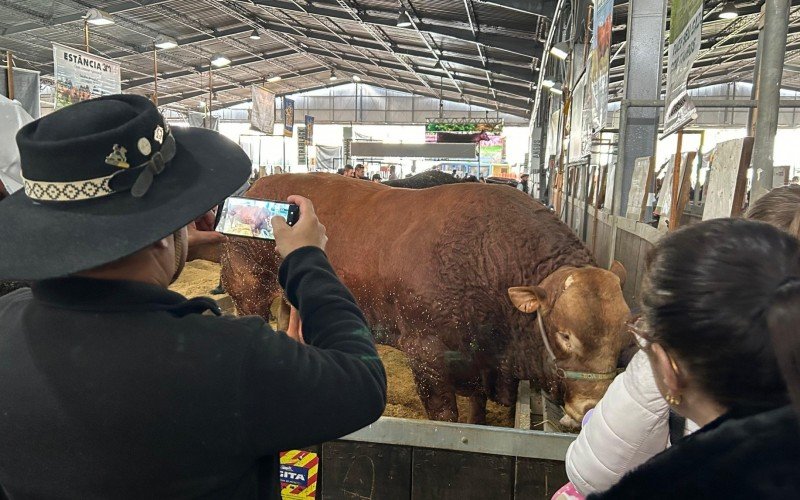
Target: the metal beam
(164, 77)
(222, 88)
(544, 8)
(776, 20)
(506, 41)
(112, 9)
(506, 88)
(643, 73)
(496, 66)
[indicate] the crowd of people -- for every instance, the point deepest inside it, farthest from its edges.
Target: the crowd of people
(114, 387)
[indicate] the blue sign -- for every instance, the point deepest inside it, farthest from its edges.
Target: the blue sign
(294, 475)
(288, 117)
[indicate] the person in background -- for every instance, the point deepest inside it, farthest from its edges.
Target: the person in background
(780, 207)
(455, 173)
(116, 387)
(359, 172)
(795, 180)
(348, 171)
(633, 422)
(470, 178)
(713, 295)
(522, 185)
(376, 178)
(340, 171)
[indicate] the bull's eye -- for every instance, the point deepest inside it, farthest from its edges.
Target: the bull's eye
(564, 338)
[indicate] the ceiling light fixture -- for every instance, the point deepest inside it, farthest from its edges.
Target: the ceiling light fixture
(218, 60)
(254, 35)
(556, 90)
(333, 77)
(274, 78)
(403, 21)
(547, 83)
(356, 78)
(729, 11)
(97, 17)
(560, 50)
(165, 42)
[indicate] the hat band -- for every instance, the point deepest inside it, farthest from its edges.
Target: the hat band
(69, 191)
(100, 187)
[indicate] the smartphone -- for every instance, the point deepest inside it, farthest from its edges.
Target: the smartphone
(252, 218)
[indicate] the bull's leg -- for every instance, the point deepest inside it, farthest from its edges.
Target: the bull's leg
(477, 409)
(428, 357)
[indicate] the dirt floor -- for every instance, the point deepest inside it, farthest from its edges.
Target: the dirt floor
(200, 277)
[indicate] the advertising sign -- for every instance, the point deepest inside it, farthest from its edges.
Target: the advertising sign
(686, 23)
(262, 116)
(299, 473)
(81, 76)
(599, 61)
(309, 130)
(288, 117)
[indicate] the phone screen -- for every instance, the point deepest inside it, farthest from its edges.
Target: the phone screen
(252, 218)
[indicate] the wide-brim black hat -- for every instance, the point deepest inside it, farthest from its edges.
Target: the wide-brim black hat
(105, 178)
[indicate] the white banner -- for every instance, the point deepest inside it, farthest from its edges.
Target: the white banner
(262, 116)
(686, 23)
(600, 59)
(81, 76)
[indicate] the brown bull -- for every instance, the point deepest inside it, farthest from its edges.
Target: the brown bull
(455, 277)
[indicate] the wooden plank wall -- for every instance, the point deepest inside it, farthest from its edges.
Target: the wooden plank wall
(631, 249)
(356, 470)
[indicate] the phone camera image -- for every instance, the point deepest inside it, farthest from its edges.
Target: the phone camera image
(251, 218)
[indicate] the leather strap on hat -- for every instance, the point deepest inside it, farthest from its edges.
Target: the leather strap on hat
(137, 180)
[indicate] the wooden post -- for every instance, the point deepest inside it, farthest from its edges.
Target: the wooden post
(86, 35)
(674, 216)
(10, 74)
(155, 75)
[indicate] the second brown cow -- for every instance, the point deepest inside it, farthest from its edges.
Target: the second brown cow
(456, 276)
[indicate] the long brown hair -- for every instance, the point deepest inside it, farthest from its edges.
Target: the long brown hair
(780, 207)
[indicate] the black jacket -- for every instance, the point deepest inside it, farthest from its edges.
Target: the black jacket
(752, 458)
(113, 389)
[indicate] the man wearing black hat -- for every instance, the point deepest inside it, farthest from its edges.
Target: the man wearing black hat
(111, 386)
(523, 183)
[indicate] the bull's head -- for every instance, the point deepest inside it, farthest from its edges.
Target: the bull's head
(583, 315)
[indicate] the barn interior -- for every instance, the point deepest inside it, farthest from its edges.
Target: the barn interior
(628, 119)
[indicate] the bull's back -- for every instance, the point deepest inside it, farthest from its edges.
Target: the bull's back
(410, 254)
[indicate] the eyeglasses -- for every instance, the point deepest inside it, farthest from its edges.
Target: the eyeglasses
(640, 331)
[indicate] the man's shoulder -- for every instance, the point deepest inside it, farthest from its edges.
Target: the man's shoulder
(245, 325)
(15, 297)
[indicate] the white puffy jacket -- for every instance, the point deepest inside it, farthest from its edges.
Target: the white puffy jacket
(628, 427)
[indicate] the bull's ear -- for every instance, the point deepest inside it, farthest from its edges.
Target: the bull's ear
(527, 299)
(618, 269)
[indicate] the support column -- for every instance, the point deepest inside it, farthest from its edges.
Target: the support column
(638, 129)
(753, 114)
(776, 22)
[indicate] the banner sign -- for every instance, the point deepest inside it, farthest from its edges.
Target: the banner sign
(262, 116)
(81, 76)
(298, 474)
(288, 117)
(462, 130)
(599, 62)
(309, 130)
(686, 23)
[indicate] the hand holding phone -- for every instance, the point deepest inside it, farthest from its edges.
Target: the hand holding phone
(307, 231)
(252, 218)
